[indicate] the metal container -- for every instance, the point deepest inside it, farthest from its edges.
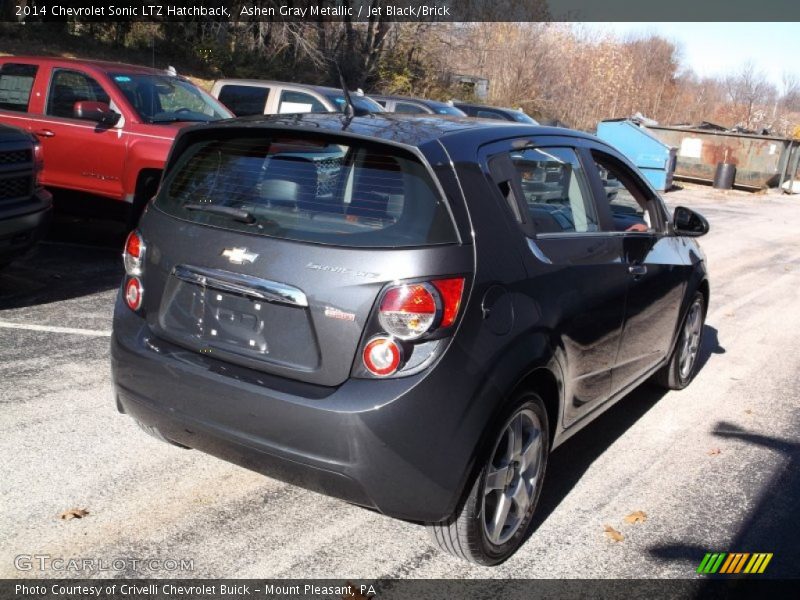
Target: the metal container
(761, 160)
(654, 157)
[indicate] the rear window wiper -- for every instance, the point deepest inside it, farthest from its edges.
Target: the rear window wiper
(236, 214)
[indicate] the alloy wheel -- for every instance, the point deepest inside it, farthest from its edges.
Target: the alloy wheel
(512, 477)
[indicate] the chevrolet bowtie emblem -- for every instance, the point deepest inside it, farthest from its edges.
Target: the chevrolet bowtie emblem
(239, 256)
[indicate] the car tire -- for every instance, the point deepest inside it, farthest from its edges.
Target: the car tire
(145, 190)
(495, 518)
(683, 363)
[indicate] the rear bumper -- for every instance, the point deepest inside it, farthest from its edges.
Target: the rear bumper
(22, 225)
(404, 446)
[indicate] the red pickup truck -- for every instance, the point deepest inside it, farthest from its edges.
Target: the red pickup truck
(106, 128)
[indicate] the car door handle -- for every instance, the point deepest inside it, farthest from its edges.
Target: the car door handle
(637, 270)
(45, 133)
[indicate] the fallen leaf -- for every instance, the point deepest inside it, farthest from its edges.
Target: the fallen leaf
(613, 534)
(748, 412)
(730, 314)
(73, 513)
(714, 452)
(636, 517)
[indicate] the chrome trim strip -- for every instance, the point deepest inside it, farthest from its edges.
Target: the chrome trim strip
(253, 287)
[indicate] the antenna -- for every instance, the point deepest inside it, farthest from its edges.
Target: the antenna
(349, 109)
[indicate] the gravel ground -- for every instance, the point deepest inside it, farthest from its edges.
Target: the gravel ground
(715, 467)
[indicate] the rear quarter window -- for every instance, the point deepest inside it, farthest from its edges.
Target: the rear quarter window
(317, 191)
(16, 82)
(244, 100)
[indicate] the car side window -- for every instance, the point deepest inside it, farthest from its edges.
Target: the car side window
(68, 87)
(410, 109)
(489, 114)
(16, 83)
(632, 209)
(299, 102)
(244, 100)
(555, 191)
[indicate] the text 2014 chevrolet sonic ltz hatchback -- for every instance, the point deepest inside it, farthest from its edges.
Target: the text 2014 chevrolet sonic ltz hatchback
(406, 313)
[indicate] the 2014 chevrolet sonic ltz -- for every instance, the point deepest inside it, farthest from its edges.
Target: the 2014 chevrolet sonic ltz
(408, 313)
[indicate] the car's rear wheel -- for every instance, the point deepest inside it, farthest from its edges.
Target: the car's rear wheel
(495, 517)
(683, 364)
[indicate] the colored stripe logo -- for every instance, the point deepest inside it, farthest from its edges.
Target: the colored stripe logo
(731, 563)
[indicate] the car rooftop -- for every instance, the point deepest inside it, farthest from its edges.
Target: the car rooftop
(103, 65)
(409, 130)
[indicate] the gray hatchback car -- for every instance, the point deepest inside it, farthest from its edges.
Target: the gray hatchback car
(405, 313)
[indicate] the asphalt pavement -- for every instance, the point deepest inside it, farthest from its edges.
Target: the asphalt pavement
(714, 468)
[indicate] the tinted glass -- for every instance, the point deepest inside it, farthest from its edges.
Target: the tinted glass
(300, 102)
(490, 114)
(244, 100)
(69, 87)
(555, 190)
(409, 109)
(627, 201)
(521, 117)
(449, 110)
(16, 82)
(361, 103)
(165, 99)
(313, 191)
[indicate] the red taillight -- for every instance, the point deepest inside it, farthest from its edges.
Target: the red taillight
(411, 310)
(408, 311)
(133, 257)
(382, 356)
(134, 293)
(451, 291)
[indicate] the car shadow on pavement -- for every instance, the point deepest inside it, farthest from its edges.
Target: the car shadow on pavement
(571, 460)
(771, 525)
(79, 257)
(709, 345)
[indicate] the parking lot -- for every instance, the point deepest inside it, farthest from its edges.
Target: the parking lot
(714, 468)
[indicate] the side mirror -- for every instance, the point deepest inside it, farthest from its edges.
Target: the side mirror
(99, 112)
(687, 222)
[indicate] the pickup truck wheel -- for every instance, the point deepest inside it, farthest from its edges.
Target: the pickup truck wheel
(146, 188)
(495, 518)
(682, 365)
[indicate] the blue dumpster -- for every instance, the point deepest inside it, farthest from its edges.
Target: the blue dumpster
(655, 159)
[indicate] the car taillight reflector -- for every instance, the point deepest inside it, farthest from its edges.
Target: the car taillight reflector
(133, 257)
(451, 291)
(134, 293)
(408, 311)
(382, 356)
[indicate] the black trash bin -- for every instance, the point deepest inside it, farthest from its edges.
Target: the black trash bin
(724, 176)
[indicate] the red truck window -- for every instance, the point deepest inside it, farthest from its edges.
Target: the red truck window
(16, 81)
(67, 88)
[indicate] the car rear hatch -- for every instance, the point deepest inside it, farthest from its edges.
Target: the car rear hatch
(269, 250)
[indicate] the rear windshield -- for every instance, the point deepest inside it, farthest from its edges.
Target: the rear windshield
(316, 191)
